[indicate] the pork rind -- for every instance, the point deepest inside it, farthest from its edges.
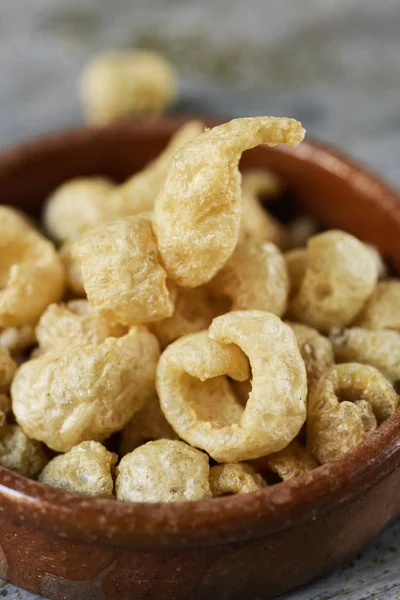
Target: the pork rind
(163, 471)
(292, 461)
(194, 311)
(72, 270)
(254, 278)
(74, 324)
(256, 222)
(31, 273)
(123, 277)
(85, 393)
(198, 210)
(296, 265)
(147, 425)
(382, 311)
(19, 453)
(17, 339)
(340, 276)
(380, 348)
(234, 478)
(338, 418)
(380, 263)
(315, 349)
(7, 370)
(119, 84)
(78, 205)
(85, 469)
(200, 405)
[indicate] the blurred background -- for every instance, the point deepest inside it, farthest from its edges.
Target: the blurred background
(333, 64)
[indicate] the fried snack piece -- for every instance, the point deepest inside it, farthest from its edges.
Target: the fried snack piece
(198, 210)
(19, 453)
(17, 339)
(123, 277)
(336, 421)
(382, 309)
(234, 478)
(340, 276)
(85, 469)
(148, 424)
(72, 270)
(7, 370)
(380, 348)
(85, 393)
(121, 83)
(64, 326)
(292, 461)
(380, 263)
(78, 205)
(315, 349)
(193, 312)
(163, 471)
(256, 222)
(31, 272)
(201, 407)
(296, 265)
(5, 407)
(254, 278)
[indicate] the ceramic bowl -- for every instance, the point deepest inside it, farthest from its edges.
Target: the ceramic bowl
(239, 547)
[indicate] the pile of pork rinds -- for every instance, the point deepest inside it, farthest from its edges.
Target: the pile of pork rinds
(225, 350)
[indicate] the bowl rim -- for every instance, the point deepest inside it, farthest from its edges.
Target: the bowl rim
(218, 520)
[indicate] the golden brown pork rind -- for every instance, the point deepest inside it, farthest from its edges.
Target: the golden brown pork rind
(147, 425)
(296, 265)
(340, 276)
(85, 469)
(292, 461)
(17, 339)
(7, 370)
(85, 393)
(198, 210)
(254, 278)
(194, 311)
(200, 405)
(315, 349)
(163, 471)
(336, 421)
(31, 272)
(121, 83)
(64, 326)
(122, 273)
(234, 478)
(380, 348)
(382, 311)
(19, 453)
(72, 270)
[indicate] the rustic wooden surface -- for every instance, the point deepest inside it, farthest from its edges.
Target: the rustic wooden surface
(334, 64)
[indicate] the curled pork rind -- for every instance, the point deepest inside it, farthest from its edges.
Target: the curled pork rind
(17, 339)
(291, 461)
(147, 425)
(380, 348)
(163, 471)
(78, 205)
(296, 265)
(31, 272)
(123, 277)
(337, 417)
(72, 270)
(234, 478)
(256, 223)
(85, 469)
(19, 453)
(201, 407)
(7, 370)
(74, 324)
(315, 349)
(194, 311)
(85, 393)
(254, 278)
(119, 84)
(340, 276)
(382, 311)
(198, 210)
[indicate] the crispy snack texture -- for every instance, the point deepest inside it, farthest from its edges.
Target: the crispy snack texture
(382, 311)
(292, 461)
(315, 349)
(20, 453)
(234, 478)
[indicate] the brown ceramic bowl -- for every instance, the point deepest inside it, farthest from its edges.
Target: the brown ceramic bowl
(239, 547)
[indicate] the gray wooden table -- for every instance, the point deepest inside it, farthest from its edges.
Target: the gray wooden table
(333, 64)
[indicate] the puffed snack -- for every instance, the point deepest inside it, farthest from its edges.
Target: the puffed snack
(234, 478)
(20, 453)
(382, 309)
